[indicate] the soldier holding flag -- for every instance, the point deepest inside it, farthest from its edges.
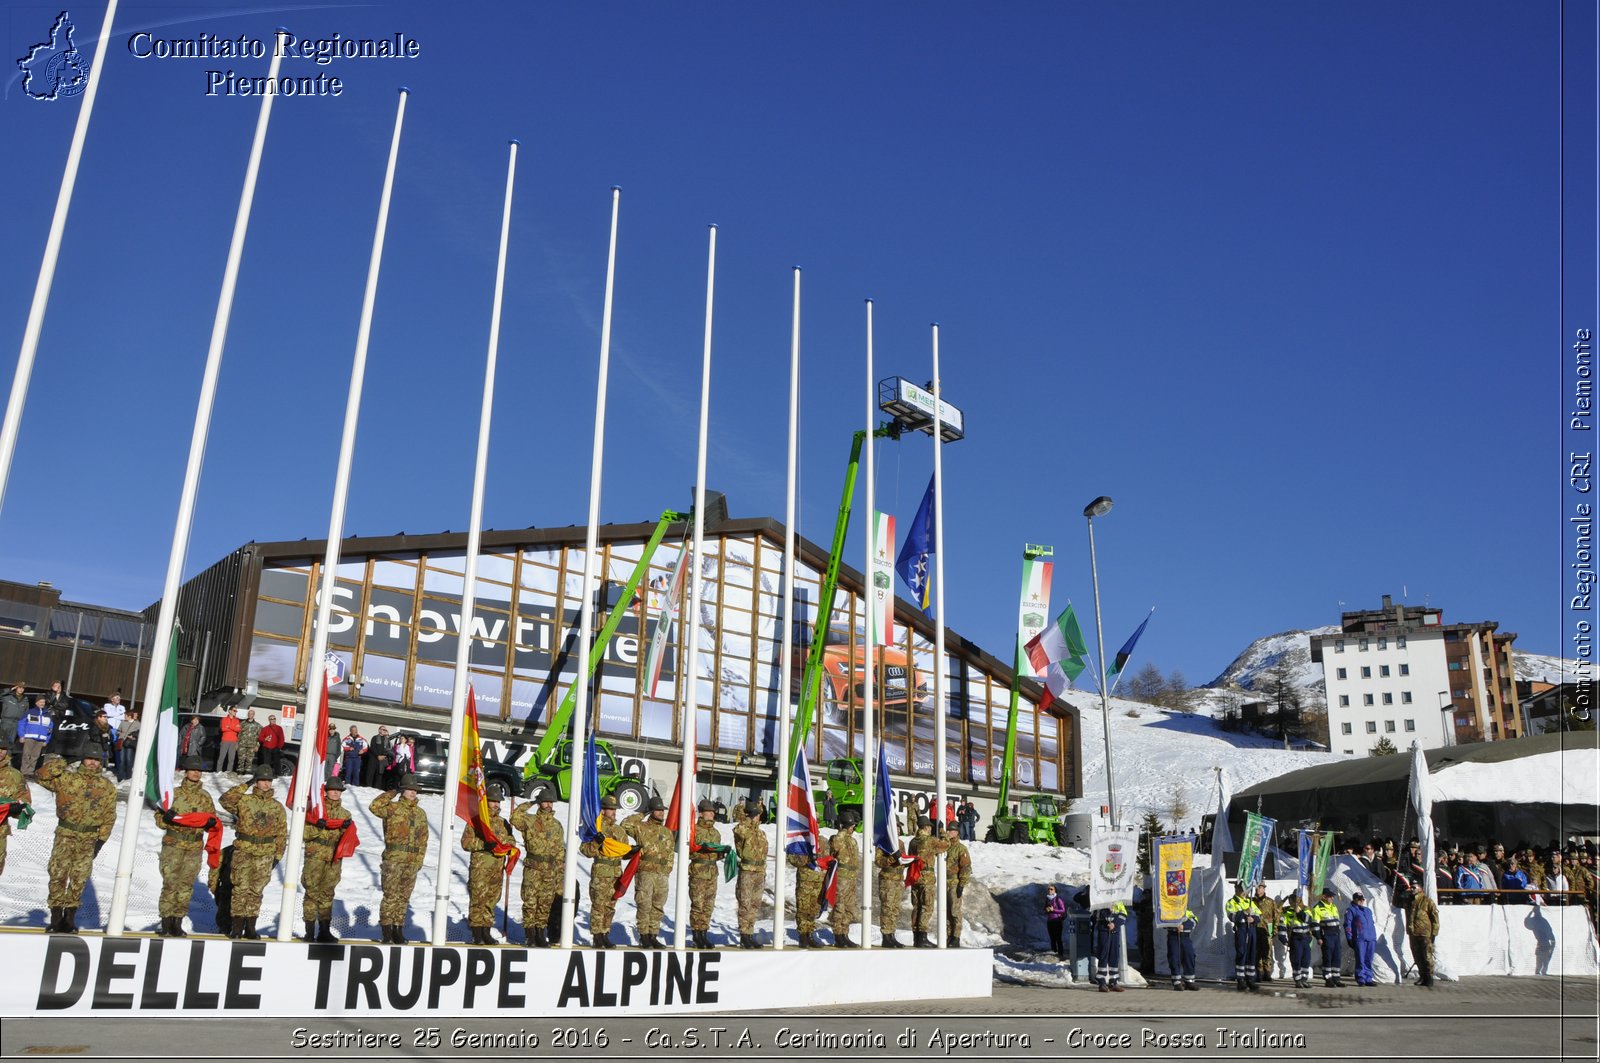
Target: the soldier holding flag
(490, 861)
(330, 839)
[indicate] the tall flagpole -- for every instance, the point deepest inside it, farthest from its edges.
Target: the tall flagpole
(691, 703)
(780, 880)
(940, 665)
(168, 612)
(314, 723)
(869, 688)
(47, 267)
(580, 718)
(469, 591)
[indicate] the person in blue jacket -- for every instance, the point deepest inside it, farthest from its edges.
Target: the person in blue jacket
(1107, 934)
(34, 729)
(1362, 934)
(1180, 952)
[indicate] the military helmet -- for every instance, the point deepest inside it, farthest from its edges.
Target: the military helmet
(495, 793)
(656, 804)
(263, 773)
(608, 802)
(850, 816)
(705, 805)
(752, 807)
(543, 793)
(191, 763)
(408, 781)
(334, 783)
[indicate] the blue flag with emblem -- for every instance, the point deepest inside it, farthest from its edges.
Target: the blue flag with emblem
(589, 796)
(914, 562)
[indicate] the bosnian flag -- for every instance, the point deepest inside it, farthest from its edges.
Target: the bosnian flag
(800, 832)
(1059, 653)
(317, 725)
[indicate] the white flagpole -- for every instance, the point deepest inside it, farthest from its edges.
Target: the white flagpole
(168, 612)
(868, 768)
(314, 723)
(469, 591)
(47, 267)
(691, 703)
(780, 880)
(580, 717)
(939, 663)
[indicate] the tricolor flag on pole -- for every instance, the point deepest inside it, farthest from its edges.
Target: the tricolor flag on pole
(915, 556)
(314, 808)
(1114, 672)
(1034, 609)
(1059, 652)
(880, 617)
(665, 617)
(158, 782)
(885, 826)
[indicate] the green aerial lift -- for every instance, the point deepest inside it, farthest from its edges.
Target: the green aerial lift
(551, 761)
(1037, 819)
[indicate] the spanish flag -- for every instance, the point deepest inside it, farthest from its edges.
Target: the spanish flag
(472, 801)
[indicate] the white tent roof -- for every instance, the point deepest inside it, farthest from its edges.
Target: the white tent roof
(1557, 777)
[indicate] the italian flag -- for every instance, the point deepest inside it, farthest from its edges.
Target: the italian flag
(164, 728)
(1059, 653)
(880, 614)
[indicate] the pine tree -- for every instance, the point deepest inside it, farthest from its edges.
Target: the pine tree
(1384, 748)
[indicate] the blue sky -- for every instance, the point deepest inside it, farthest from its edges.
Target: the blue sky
(1280, 279)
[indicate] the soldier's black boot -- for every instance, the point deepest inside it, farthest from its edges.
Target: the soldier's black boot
(919, 939)
(602, 940)
(842, 941)
(177, 927)
(748, 941)
(805, 940)
(58, 921)
(954, 941)
(165, 929)
(325, 934)
(236, 928)
(891, 942)
(250, 931)
(311, 930)
(69, 920)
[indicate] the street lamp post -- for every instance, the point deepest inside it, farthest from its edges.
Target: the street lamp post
(1099, 508)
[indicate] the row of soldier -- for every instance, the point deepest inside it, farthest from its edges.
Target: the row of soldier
(86, 809)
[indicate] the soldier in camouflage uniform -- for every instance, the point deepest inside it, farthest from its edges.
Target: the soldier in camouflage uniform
(323, 867)
(807, 899)
(260, 835)
(750, 843)
(925, 894)
(957, 873)
(13, 787)
(86, 809)
(546, 849)
(249, 742)
(181, 847)
(485, 870)
(845, 847)
(705, 867)
(405, 843)
(603, 874)
(658, 849)
(891, 894)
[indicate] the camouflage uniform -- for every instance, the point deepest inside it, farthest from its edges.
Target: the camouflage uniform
(957, 873)
(658, 851)
(926, 891)
(86, 809)
(845, 846)
(891, 891)
(603, 880)
(321, 871)
(405, 842)
(807, 897)
(260, 835)
(484, 871)
(541, 871)
(249, 742)
(705, 868)
(181, 848)
(13, 787)
(750, 843)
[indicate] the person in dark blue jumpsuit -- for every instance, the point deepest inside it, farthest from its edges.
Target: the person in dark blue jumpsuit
(1107, 927)
(1325, 917)
(1245, 916)
(1180, 952)
(1362, 934)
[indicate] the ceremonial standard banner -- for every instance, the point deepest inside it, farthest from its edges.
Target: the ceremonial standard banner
(1319, 865)
(1253, 850)
(1034, 612)
(1174, 863)
(1113, 865)
(880, 617)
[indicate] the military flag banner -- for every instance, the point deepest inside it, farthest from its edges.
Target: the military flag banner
(1034, 610)
(472, 798)
(1113, 865)
(158, 782)
(1307, 855)
(880, 617)
(1174, 864)
(800, 833)
(314, 807)
(1321, 862)
(1253, 848)
(885, 827)
(666, 614)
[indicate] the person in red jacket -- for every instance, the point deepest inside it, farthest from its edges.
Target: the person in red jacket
(272, 744)
(228, 751)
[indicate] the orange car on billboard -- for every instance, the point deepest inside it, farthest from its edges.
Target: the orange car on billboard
(844, 681)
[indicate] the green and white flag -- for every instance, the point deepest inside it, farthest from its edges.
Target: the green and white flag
(164, 729)
(880, 614)
(1253, 850)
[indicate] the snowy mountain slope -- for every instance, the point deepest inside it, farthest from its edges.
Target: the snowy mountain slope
(1541, 668)
(1250, 670)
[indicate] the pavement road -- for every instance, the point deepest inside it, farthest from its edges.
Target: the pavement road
(1489, 1019)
